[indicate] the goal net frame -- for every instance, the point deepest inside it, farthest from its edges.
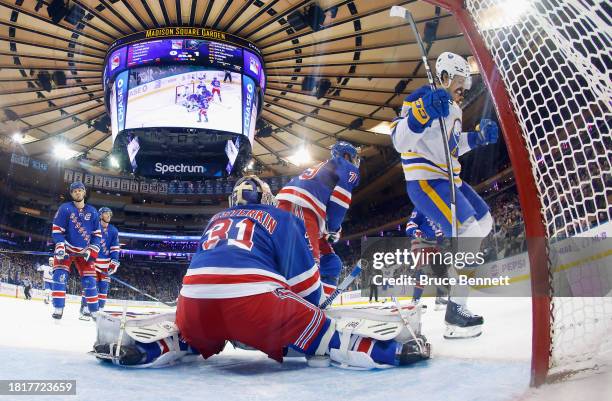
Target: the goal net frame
(529, 195)
(179, 97)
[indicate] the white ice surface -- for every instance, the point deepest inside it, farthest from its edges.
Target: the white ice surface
(492, 367)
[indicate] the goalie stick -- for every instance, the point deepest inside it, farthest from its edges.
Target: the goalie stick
(343, 285)
(398, 11)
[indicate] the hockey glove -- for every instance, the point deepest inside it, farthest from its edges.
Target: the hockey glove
(436, 104)
(486, 132)
(90, 254)
(113, 266)
(60, 251)
(489, 131)
(333, 236)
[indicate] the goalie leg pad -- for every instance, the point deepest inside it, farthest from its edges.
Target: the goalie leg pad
(149, 341)
(145, 328)
(380, 322)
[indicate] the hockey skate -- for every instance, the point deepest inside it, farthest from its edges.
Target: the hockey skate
(414, 351)
(84, 313)
(440, 303)
(417, 302)
(128, 354)
(57, 313)
(461, 323)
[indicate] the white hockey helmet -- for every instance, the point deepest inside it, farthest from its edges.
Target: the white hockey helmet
(251, 189)
(454, 65)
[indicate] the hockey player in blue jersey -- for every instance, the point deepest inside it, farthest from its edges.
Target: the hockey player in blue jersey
(203, 102)
(107, 261)
(254, 281)
(416, 135)
(426, 238)
(216, 88)
(321, 196)
(76, 234)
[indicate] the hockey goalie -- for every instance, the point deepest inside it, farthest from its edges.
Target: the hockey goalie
(264, 296)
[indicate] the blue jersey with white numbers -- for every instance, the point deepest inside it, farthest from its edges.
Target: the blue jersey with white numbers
(252, 249)
(326, 189)
(77, 229)
(109, 244)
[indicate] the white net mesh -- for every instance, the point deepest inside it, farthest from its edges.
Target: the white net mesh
(182, 91)
(555, 62)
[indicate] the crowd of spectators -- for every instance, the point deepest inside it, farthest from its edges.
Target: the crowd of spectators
(162, 282)
(376, 215)
(15, 268)
(507, 238)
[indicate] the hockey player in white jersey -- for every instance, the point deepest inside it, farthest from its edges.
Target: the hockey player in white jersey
(47, 271)
(416, 134)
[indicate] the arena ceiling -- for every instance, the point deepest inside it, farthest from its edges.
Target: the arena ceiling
(362, 51)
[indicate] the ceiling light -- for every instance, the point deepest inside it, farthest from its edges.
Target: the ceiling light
(300, 157)
(384, 127)
(504, 14)
(114, 163)
(18, 137)
(63, 152)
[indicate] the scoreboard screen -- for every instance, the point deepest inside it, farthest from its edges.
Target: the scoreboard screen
(195, 51)
(186, 78)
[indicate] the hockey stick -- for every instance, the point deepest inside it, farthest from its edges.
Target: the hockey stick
(134, 288)
(407, 324)
(343, 285)
(398, 11)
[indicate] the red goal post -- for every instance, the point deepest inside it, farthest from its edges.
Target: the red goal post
(509, 47)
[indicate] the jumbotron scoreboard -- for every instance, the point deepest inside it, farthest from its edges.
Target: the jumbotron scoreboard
(197, 87)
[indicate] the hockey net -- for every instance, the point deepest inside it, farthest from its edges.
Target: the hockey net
(553, 58)
(182, 91)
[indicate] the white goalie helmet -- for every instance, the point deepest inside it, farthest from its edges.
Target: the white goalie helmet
(454, 65)
(251, 189)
